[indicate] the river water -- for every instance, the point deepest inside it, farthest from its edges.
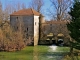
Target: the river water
(53, 53)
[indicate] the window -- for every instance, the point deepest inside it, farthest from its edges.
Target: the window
(27, 32)
(50, 26)
(27, 29)
(17, 17)
(35, 23)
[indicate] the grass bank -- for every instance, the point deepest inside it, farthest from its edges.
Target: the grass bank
(37, 53)
(27, 53)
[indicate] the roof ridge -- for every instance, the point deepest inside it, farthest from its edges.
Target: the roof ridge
(32, 11)
(26, 12)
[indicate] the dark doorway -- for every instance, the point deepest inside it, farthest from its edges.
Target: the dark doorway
(54, 42)
(60, 42)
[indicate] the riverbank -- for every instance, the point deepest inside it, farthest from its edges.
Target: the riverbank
(36, 53)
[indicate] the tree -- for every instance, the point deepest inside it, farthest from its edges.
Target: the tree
(61, 8)
(9, 9)
(36, 5)
(23, 6)
(7, 12)
(74, 25)
(10, 40)
(1, 12)
(20, 6)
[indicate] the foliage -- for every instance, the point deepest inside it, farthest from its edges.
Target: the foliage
(74, 25)
(10, 40)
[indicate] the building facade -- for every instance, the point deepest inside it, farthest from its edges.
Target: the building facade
(57, 28)
(28, 20)
(34, 25)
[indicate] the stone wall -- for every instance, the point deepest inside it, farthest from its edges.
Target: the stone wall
(29, 24)
(26, 21)
(36, 30)
(55, 27)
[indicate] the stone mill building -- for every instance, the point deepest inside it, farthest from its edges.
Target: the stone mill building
(30, 19)
(34, 26)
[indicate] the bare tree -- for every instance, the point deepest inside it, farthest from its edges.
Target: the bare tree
(11, 40)
(61, 7)
(6, 13)
(1, 12)
(20, 6)
(36, 4)
(23, 6)
(9, 9)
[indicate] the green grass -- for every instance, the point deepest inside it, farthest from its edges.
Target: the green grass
(27, 53)
(35, 53)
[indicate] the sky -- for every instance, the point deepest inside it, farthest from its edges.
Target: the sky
(45, 8)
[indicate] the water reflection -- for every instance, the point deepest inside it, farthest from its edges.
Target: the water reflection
(53, 47)
(53, 53)
(35, 53)
(56, 54)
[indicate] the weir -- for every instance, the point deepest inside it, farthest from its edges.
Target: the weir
(52, 52)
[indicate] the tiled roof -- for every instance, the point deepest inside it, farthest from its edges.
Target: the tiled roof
(26, 12)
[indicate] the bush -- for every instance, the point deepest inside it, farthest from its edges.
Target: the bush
(10, 40)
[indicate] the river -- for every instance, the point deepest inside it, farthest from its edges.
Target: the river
(53, 53)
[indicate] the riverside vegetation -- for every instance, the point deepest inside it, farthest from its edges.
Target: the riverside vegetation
(35, 53)
(11, 40)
